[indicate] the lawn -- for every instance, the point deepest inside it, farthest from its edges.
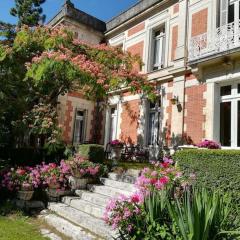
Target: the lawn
(15, 227)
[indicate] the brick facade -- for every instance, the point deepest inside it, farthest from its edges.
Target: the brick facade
(199, 22)
(68, 122)
(174, 42)
(129, 123)
(136, 29)
(194, 113)
(137, 49)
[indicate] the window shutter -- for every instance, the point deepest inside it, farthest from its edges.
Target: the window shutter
(224, 12)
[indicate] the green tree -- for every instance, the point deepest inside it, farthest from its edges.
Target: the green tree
(43, 64)
(29, 12)
(7, 32)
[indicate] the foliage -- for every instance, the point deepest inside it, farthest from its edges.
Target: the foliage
(29, 12)
(54, 175)
(203, 215)
(21, 179)
(7, 33)
(213, 168)
(161, 176)
(93, 152)
(144, 214)
(83, 168)
(39, 55)
(209, 144)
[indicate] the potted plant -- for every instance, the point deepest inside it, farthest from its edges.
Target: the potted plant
(117, 147)
(55, 179)
(82, 172)
(22, 181)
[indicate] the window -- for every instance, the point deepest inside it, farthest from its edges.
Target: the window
(79, 127)
(230, 115)
(158, 48)
(113, 124)
(229, 12)
(153, 122)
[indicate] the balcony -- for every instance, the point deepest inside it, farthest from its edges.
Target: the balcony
(209, 45)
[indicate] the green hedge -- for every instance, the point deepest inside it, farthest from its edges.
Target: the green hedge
(94, 152)
(213, 168)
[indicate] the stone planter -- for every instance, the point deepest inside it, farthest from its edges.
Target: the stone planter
(116, 154)
(77, 183)
(25, 195)
(55, 194)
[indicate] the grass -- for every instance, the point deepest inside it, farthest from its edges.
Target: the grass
(17, 227)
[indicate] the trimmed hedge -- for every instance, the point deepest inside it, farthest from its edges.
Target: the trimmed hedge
(93, 152)
(213, 168)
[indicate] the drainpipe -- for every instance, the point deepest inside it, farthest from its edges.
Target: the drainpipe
(185, 63)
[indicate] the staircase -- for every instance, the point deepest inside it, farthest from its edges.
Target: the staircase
(80, 217)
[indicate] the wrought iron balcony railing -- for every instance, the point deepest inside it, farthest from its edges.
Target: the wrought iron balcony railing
(224, 38)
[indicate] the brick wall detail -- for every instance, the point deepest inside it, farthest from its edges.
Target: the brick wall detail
(174, 42)
(194, 114)
(130, 121)
(199, 22)
(176, 8)
(136, 29)
(68, 122)
(137, 49)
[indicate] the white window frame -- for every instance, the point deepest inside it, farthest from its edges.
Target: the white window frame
(84, 125)
(162, 47)
(233, 98)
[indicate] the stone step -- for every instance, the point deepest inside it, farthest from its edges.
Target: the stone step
(108, 191)
(95, 198)
(133, 172)
(84, 206)
(83, 220)
(122, 177)
(67, 228)
(118, 184)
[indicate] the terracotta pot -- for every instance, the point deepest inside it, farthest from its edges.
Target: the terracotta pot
(78, 183)
(25, 195)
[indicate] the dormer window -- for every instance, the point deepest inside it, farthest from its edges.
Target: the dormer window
(158, 48)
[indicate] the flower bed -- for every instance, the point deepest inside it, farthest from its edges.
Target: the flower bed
(167, 206)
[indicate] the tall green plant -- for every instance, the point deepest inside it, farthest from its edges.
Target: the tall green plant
(203, 215)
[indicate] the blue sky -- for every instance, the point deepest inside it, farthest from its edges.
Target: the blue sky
(102, 9)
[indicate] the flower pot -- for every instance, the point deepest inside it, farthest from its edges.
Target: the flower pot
(55, 194)
(54, 185)
(25, 195)
(116, 152)
(78, 183)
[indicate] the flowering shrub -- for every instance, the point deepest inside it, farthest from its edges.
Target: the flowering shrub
(82, 168)
(123, 211)
(55, 176)
(133, 216)
(209, 144)
(21, 179)
(161, 176)
(116, 143)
